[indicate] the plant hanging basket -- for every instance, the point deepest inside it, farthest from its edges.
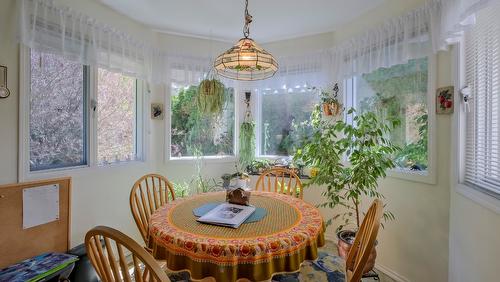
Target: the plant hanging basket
(332, 109)
(326, 109)
(211, 95)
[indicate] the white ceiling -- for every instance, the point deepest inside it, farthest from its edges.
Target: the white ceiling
(223, 19)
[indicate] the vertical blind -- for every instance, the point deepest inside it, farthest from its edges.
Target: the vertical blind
(482, 50)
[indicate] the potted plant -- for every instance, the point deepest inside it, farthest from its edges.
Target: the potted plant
(330, 103)
(238, 179)
(368, 155)
(258, 166)
(241, 179)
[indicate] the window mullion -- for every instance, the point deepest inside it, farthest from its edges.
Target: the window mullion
(92, 110)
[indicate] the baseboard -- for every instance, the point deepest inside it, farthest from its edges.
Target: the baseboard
(387, 271)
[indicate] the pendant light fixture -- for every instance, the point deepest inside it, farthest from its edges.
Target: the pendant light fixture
(246, 60)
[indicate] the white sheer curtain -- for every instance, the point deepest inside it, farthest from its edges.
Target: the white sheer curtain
(301, 71)
(394, 42)
(450, 18)
(181, 70)
(52, 28)
(418, 33)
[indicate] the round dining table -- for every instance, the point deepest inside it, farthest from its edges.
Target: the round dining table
(289, 234)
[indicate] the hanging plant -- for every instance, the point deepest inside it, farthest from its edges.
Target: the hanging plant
(247, 143)
(330, 102)
(211, 95)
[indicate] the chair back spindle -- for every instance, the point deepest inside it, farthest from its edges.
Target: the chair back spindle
(110, 260)
(280, 180)
(148, 194)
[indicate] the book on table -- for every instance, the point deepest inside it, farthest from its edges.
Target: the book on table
(228, 215)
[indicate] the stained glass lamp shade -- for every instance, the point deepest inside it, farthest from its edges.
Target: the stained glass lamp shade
(246, 61)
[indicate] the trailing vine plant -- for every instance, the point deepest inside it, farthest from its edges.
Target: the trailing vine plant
(247, 143)
(247, 136)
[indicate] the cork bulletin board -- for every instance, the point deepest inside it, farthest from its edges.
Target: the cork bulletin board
(48, 234)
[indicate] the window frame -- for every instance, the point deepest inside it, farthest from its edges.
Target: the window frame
(429, 176)
(459, 124)
(139, 120)
(90, 122)
(168, 159)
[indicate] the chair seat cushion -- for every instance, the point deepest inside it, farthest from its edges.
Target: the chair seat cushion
(327, 268)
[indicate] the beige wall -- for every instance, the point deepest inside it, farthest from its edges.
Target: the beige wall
(9, 56)
(474, 241)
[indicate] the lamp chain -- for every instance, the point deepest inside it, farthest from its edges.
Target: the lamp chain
(248, 20)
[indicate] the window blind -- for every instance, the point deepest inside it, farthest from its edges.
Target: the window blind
(482, 51)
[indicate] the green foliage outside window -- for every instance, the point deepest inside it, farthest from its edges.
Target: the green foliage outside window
(284, 122)
(192, 130)
(400, 92)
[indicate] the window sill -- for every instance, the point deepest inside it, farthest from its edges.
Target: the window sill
(479, 197)
(79, 170)
(209, 159)
(414, 176)
(302, 177)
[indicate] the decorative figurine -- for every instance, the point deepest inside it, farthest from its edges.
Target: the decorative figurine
(238, 196)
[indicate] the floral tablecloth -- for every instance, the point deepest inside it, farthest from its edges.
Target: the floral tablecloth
(289, 234)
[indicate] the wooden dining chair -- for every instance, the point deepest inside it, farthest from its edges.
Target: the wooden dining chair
(280, 180)
(364, 242)
(108, 250)
(148, 194)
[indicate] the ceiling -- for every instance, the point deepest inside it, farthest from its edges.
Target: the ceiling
(223, 19)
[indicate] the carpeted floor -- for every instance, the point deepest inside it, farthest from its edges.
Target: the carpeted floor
(327, 268)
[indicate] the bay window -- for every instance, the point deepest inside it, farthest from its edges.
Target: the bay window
(193, 134)
(71, 119)
(398, 92)
(117, 119)
(57, 112)
(282, 119)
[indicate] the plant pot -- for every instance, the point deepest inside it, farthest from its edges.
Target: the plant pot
(335, 108)
(327, 110)
(295, 170)
(344, 243)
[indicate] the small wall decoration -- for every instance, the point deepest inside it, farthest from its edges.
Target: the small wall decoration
(157, 111)
(444, 100)
(4, 91)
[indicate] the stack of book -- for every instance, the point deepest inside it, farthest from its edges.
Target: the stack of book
(228, 215)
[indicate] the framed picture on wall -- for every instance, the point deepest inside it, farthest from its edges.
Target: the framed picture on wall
(444, 100)
(157, 111)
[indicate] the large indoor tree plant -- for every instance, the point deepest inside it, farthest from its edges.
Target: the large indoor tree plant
(349, 160)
